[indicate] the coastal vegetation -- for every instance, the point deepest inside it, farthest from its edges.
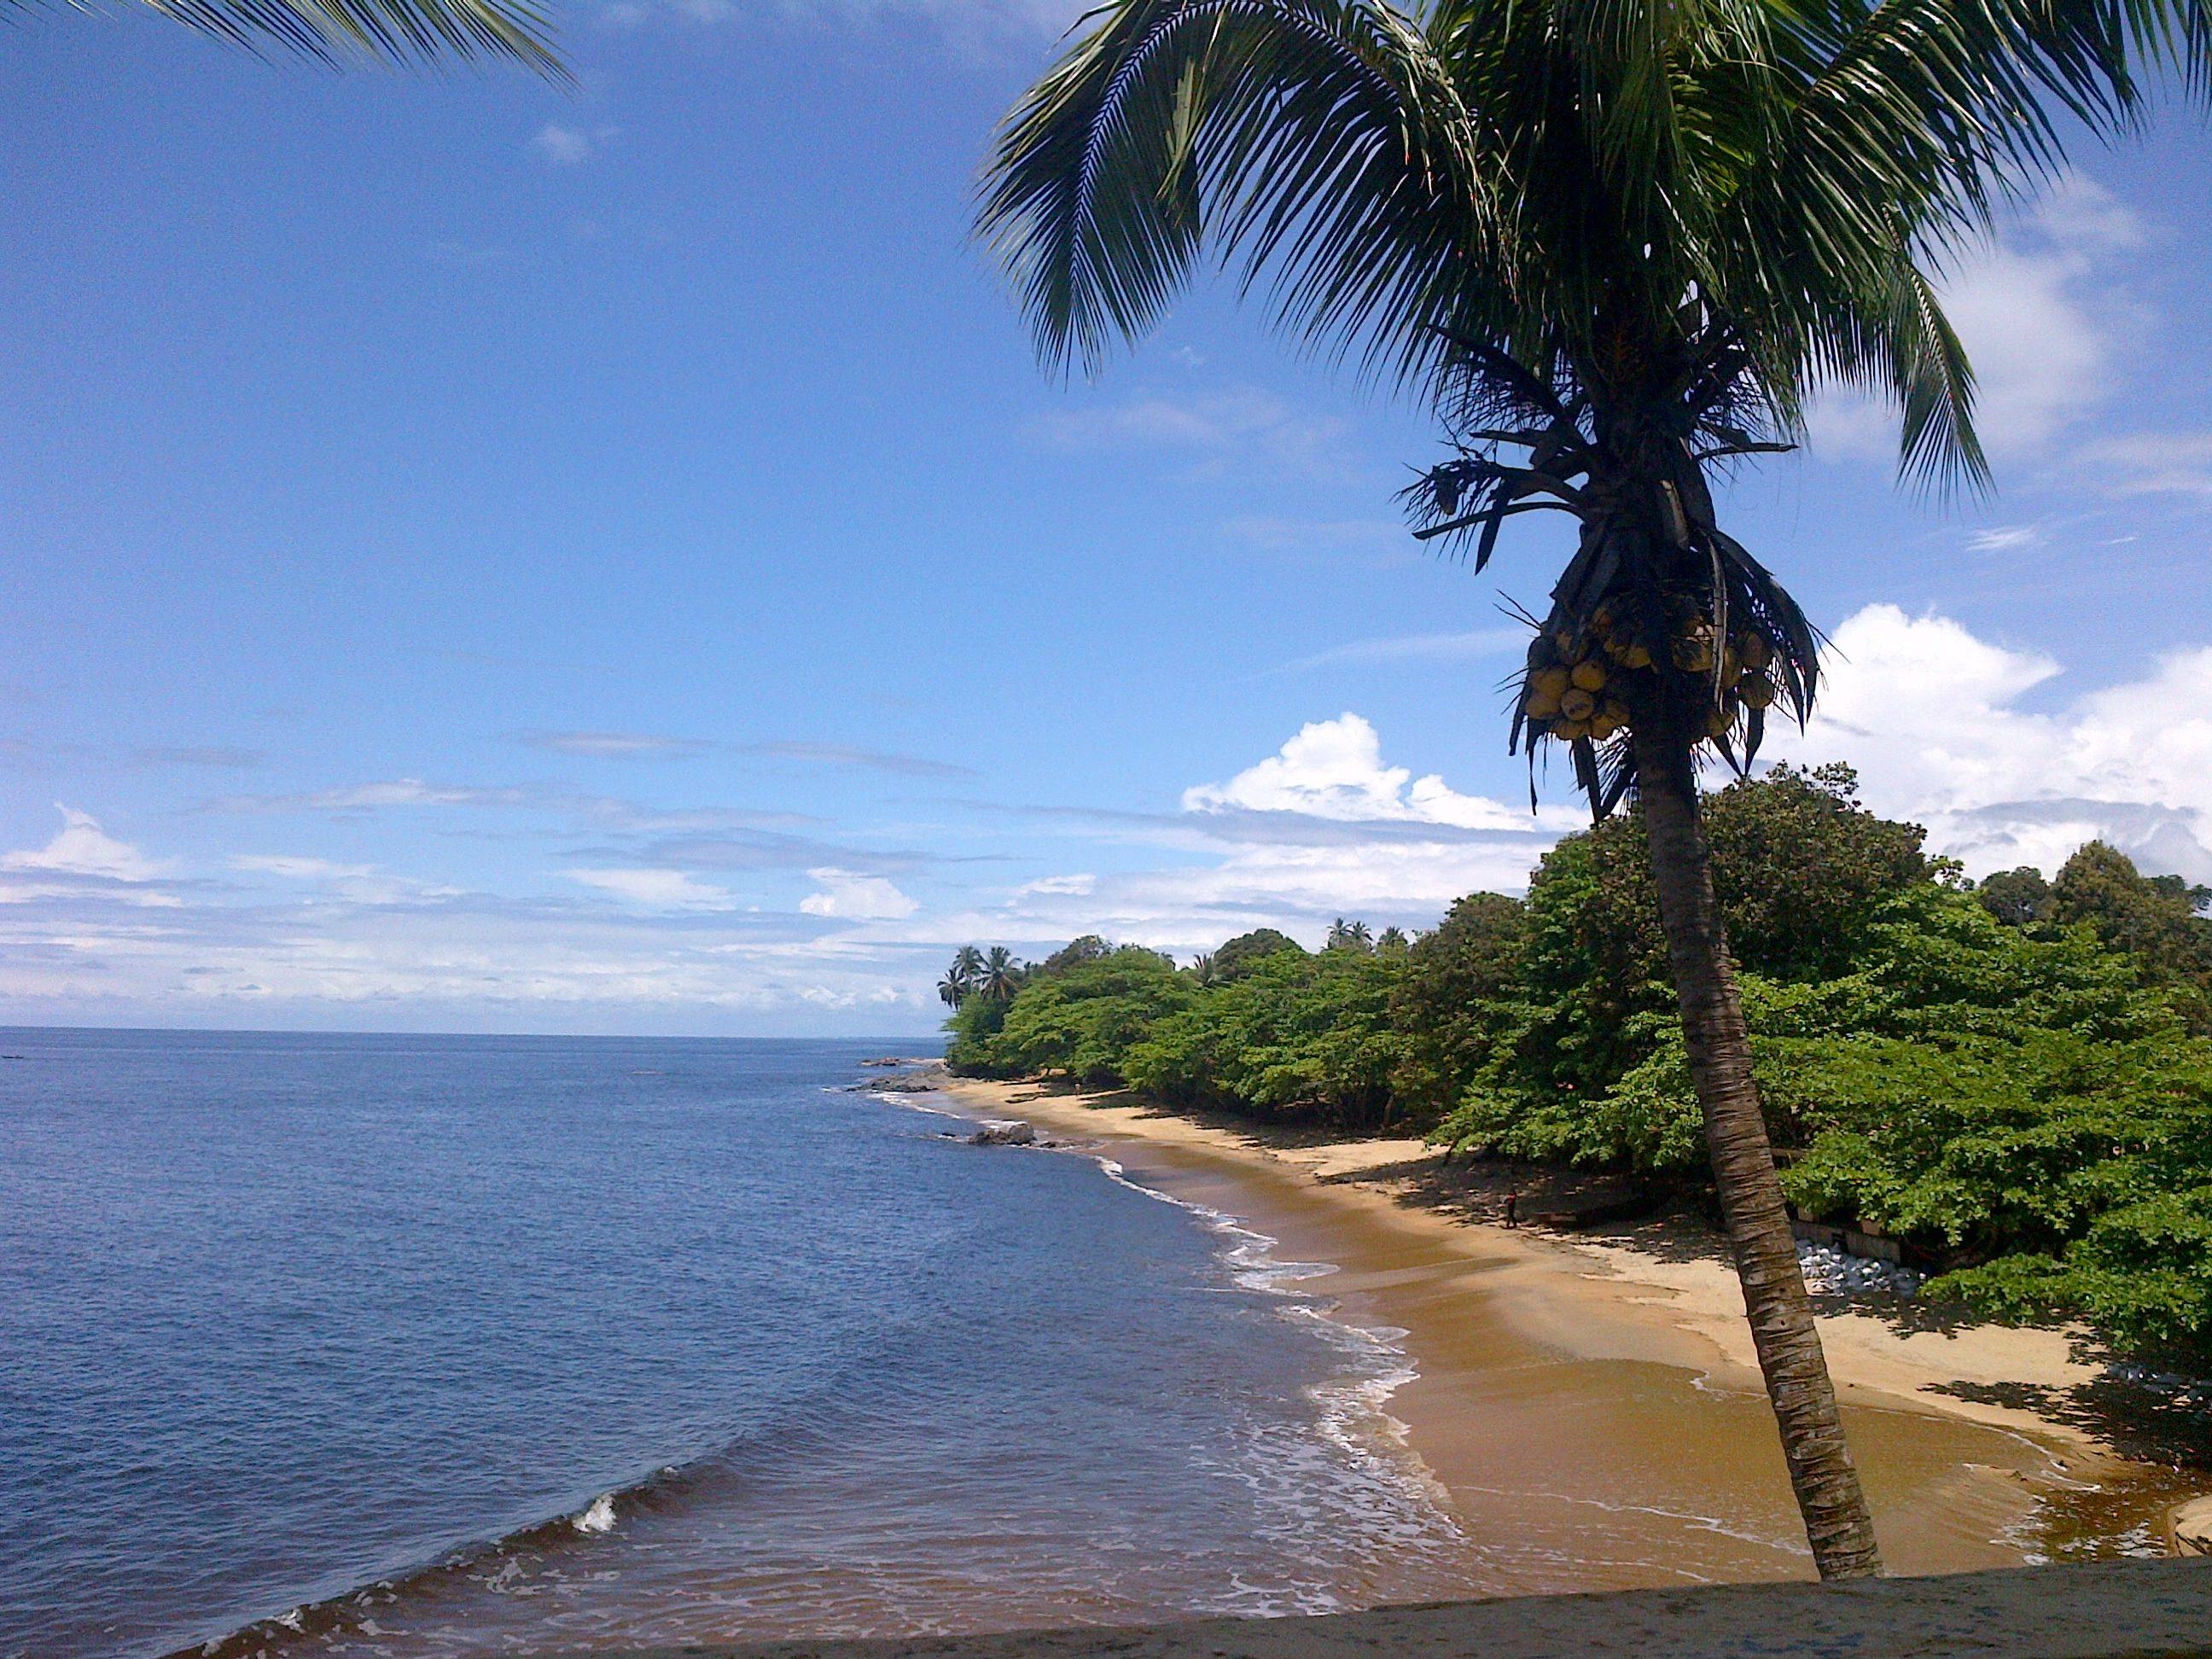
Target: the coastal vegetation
(2019, 1091)
(1615, 248)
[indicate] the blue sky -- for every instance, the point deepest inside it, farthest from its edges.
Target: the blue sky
(482, 557)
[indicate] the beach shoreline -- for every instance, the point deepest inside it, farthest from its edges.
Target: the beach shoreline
(1975, 1444)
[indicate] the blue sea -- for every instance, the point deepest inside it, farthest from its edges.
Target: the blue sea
(457, 1345)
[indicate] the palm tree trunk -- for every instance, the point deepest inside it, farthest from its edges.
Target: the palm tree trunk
(1827, 1485)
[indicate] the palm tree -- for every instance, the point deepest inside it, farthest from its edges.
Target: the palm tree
(1617, 244)
(1000, 976)
(1204, 969)
(389, 31)
(1348, 936)
(963, 978)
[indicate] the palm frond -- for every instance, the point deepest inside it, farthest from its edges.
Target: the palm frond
(403, 32)
(1318, 139)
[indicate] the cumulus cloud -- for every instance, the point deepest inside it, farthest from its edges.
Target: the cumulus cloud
(2042, 313)
(1932, 716)
(1334, 769)
(849, 895)
(83, 848)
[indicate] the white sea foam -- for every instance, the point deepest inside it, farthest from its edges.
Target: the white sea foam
(600, 1517)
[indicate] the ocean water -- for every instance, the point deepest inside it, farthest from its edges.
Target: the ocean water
(444, 1346)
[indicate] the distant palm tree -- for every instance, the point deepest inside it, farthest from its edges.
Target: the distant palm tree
(1203, 971)
(1000, 976)
(1617, 244)
(961, 978)
(389, 31)
(1349, 936)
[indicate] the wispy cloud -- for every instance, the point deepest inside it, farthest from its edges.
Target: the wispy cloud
(659, 889)
(611, 745)
(2154, 464)
(1239, 423)
(1415, 648)
(641, 745)
(569, 146)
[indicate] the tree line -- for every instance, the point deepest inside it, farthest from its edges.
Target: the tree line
(2014, 1077)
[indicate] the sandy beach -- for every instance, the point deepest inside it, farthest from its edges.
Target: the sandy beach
(1588, 1401)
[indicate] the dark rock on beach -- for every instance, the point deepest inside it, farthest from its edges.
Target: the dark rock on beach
(923, 1080)
(1012, 1132)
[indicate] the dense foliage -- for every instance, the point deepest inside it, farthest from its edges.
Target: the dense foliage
(2011, 1079)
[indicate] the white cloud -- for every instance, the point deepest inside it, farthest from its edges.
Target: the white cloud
(1417, 647)
(609, 746)
(2041, 311)
(2154, 463)
(2005, 537)
(1080, 885)
(1334, 769)
(1216, 426)
(83, 848)
(1930, 716)
(567, 146)
(850, 896)
(658, 890)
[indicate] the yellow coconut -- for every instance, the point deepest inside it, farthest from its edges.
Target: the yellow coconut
(1541, 706)
(1754, 690)
(1758, 655)
(1589, 676)
(1614, 710)
(1578, 705)
(1602, 728)
(1717, 721)
(1553, 682)
(1636, 656)
(1568, 731)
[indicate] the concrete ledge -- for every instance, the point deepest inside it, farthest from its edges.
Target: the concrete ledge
(2107, 1610)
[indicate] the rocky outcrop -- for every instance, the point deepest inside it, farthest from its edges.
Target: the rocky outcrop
(1009, 1132)
(2191, 1524)
(922, 1080)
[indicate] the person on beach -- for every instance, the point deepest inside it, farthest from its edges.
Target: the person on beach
(1513, 1209)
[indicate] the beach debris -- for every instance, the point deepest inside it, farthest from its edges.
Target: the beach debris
(1006, 1131)
(1831, 1271)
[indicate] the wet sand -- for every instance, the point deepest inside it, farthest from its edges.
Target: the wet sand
(1591, 1409)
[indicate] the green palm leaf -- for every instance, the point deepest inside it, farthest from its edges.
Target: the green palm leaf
(389, 31)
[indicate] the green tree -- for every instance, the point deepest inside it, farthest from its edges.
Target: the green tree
(1447, 1008)
(2018, 898)
(1236, 957)
(2157, 919)
(1000, 976)
(1081, 1022)
(1615, 246)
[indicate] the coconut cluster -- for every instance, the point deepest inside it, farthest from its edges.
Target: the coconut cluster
(1580, 675)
